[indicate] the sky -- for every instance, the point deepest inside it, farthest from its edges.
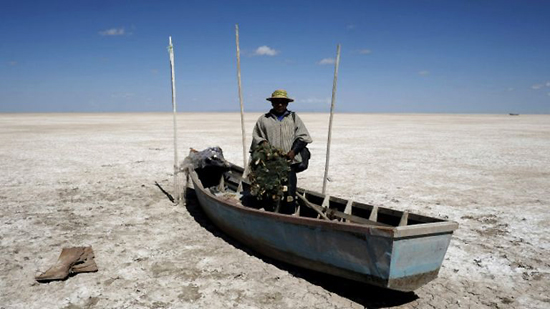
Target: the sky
(414, 56)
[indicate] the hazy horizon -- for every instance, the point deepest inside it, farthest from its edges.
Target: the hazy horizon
(260, 112)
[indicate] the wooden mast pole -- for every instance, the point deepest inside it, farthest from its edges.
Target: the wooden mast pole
(331, 115)
(173, 77)
(240, 93)
(245, 165)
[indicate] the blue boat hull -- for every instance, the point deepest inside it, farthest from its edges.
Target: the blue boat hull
(398, 258)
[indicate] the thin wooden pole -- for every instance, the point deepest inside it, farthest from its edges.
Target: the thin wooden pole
(173, 75)
(240, 93)
(331, 115)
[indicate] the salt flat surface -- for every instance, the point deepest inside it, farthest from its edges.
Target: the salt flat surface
(88, 179)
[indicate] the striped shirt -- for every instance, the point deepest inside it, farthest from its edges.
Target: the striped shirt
(280, 133)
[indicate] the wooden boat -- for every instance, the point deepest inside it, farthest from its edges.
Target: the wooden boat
(380, 246)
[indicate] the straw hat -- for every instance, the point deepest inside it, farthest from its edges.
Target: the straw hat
(280, 94)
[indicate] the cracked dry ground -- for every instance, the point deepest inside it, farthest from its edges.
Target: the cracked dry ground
(74, 180)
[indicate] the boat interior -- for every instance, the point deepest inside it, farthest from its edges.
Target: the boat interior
(312, 204)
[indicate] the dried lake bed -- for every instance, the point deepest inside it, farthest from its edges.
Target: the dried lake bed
(89, 179)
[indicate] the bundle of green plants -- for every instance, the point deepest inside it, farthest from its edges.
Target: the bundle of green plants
(268, 174)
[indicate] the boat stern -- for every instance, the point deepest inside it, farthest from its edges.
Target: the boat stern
(416, 260)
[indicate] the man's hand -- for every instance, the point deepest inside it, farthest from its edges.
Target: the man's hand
(291, 155)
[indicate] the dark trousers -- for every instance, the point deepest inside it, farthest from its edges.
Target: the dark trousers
(288, 204)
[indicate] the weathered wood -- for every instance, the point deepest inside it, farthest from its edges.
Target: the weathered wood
(325, 177)
(221, 186)
(177, 192)
(351, 218)
(404, 218)
(240, 92)
(240, 187)
(168, 195)
(326, 202)
(348, 209)
(374, 214)
(425, 229)
(297, 212)
(317, 208)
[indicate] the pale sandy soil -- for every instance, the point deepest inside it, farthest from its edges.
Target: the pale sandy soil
(86, 179)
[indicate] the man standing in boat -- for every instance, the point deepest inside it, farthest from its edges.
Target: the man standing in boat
(283, 129)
